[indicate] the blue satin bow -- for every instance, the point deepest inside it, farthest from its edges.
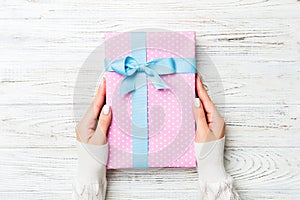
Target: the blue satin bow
(133, 70)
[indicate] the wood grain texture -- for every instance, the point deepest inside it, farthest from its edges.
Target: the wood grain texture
(53, 171)
(248, 53)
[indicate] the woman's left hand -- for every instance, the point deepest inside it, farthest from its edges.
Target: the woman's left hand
(90, 129)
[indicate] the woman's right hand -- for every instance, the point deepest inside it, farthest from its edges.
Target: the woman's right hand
(209, 138)
(210, 124)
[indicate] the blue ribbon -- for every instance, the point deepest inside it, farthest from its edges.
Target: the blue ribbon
(132, 69)
(136, 70)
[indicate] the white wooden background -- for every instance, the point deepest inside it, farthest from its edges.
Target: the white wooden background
(253, 44)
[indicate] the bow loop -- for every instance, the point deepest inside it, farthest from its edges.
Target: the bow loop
(130, 68)
(163, 65)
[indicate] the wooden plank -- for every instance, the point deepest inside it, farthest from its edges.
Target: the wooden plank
(53, 125)
(245, 194)
(173, 9)
(52, 170)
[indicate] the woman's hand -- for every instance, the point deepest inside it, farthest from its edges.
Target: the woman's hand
(209, 138)
(90, 130)
(210, 124)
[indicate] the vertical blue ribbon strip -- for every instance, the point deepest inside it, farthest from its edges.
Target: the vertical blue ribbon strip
(139, 104)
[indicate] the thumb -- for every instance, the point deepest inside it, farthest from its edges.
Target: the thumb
(104, 121)
(203, 133)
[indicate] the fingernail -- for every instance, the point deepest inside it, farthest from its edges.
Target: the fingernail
(106, 109)
(102, 80)
(197, 102)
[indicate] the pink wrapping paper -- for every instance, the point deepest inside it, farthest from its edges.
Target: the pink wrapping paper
(170, 118)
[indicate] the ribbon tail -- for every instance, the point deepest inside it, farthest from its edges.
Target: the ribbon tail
(163, 66)
(127, 85)
(158, 81)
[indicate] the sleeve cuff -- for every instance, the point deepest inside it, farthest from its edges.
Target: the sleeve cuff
(210, 163)
(204, 149)
(218, 190)
(92, 160)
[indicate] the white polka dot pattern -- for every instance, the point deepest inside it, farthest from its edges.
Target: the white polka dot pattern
(170, 119)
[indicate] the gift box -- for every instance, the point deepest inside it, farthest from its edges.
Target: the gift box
(150, 86)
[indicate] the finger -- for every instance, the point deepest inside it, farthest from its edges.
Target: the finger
(203, 132)
(99, 136)
(100, 97)
(104, 119)
(202, 94)
(200, 118)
